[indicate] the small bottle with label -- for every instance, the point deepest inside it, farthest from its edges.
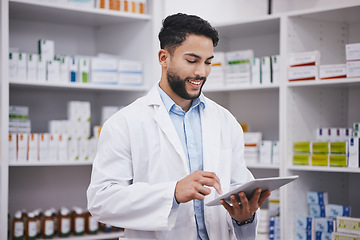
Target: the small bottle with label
(38, 216)
(78, 221)
(91, 224)
(48, 224)
(54, 215)
(18, 228)
(30, 226)
(64, 221)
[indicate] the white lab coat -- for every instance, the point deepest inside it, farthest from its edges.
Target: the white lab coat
(139, 160)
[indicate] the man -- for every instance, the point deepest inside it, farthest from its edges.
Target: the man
(160, 156)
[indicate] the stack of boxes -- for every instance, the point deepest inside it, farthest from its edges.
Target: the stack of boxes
(334, 147)
(320, 223)
(19, 121)
(47, 67)
(238, 68)
(303, 66)
(347, 228)
(353, 60)
(131, 6)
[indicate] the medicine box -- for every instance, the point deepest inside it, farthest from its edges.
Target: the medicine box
(353, 69)
(12, 147)
(63, 148)
(304, 59)
(43, 147)
(266, 70)
(354, 152)
(41, 69)
(334, 210)
(275, 67)
(338, 160)
(323, 236)
(238, 67)
(324, 225)
(332, 71)
(217, 74)
(348, 225)
(344, 236)
(265, 152)
(53, 71)
(352, 51)
(33, 147)
(13, 65)
(64, 68)
(304, 222)
(129, 72)
(320, 198)
(303, 234)
(302, 147)
(339, 147)
(255, 71)
(82, 3)
(53, 147)
(316, 210)
(303, 73)
(275, 152)
(320, 147)
(356, 126)
(104, 70)
(84, 70)
(22, 141)
(32, 62)
(320, 159)
(46, 48)
(73, 69)
(301, 159)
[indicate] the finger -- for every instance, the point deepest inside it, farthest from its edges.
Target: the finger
(203, 190)
(210, 179)
(256, 195)
(234, 202)
(243, 199)
(263, 196)
(226, 205)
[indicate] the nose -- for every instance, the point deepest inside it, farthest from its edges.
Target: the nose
(200, 70)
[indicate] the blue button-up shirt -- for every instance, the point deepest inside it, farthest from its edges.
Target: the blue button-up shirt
(188, 127)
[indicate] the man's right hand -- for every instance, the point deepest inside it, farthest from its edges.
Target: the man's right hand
(193, 186)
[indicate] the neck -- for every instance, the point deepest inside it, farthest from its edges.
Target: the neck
(183, 103)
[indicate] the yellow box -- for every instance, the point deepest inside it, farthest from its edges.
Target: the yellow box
(302, 147)
(339, 160)
(320, 159)
(301, 159)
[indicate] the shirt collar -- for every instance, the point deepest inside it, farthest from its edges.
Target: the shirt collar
(169, 103)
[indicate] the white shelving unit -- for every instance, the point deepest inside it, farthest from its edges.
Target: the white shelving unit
(289, 111)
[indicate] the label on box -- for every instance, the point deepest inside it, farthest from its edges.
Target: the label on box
(301, 159)
(320, 159)
(332, 71)
(352, 51)
(303, 73)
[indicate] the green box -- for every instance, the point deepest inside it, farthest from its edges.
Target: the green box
(339, 147)
(301, 159)
(339, 160)
(320, 147)
(302, 147)
(320, 159)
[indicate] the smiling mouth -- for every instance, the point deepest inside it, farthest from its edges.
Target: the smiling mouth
(195, 82)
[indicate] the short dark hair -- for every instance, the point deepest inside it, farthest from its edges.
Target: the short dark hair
(177, 27)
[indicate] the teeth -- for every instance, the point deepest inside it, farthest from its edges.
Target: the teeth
(196, 83)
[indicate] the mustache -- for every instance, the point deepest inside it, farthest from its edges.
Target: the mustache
(196, 78)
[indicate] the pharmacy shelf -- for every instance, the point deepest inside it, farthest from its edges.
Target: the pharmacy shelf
(239, 88)
(68, 14)
(324, 169)
(48, 163)
(92, 236)
(78, 86)
(343, 82)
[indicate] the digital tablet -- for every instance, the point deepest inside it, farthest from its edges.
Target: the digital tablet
(249, 188)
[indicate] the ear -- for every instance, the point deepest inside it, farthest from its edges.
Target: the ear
(163, 57)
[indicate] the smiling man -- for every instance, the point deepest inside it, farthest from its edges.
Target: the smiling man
(159, 157)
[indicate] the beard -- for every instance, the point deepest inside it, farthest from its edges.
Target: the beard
(178, 85)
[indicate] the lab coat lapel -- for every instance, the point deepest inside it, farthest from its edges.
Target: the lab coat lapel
(211, 138)
(164, 122)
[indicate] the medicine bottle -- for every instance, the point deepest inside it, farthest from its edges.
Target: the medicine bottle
(91, 224)
(78, 221)
(55, 216)
(48, 224)
(38, 216)
(30, 226)
(18, 231)
(64, 222)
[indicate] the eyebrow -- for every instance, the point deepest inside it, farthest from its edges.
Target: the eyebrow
(197, 56)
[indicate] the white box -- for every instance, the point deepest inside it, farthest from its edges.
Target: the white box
(304, 59)
(32, 62)
(129, 72)
(43, 147)
(53, 147)
(316, 210)
(64, 68)
(275, 66)
(334, 210)
(352, 51)
(265, 152)
(53, 71)
(324, 225)
(84, 149)
(304, 222)
(84, 70)
(353, 69)
(252, 138)
(22, 146)
(46, 49)
(41, 69)
(12, 147)
(303, 73)
(344, 236)
(73, 149)
(356, 126)
(79, 111)
(332, 71)
(256, 71)
(266, 70)
(63, 148)
(73, 69)
(348, 225)
(82, 3)
(22, 66)
(303, 234)
(13, 66)
(238, 67)
(33, 147)
(92, 148)
(320, 198)
(275, 152)
(354, 153)
(217, 74)
(104, 70)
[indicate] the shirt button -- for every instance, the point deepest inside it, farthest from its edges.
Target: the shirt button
(191, 145)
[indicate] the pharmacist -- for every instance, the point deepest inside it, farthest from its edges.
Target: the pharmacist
(163, 157)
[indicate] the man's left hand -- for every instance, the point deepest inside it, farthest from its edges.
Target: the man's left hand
(247, 208)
